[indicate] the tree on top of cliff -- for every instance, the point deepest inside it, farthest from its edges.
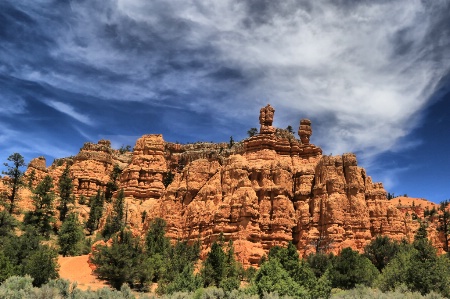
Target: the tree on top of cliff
(15, 175)
(252, 132)
(65, 186)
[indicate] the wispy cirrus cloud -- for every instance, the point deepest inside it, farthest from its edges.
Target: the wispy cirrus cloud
(70, 111)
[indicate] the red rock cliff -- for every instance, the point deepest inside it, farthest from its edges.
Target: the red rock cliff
(268, 190)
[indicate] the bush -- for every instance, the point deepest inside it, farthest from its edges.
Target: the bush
(350, 268)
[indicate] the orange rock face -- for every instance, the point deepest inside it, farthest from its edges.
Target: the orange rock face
(268, 190)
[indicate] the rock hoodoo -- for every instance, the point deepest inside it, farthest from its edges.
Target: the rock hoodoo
(268, 190)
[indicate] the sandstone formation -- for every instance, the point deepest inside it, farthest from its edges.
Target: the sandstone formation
(268, 190)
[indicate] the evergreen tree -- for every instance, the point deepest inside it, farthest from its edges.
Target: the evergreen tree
(289, 129)
(156, 242)
(71, 236)
(380, 251)
(213, 270)
(176, 273)
(319, 263)
(6, 267)
(42, 216)
(252, 132)
(121, 262)
(298, 270)
(350, 268)
(65, 192)
(112, 186)
(42, 265)
(168, 178)
(421, 233)
(31, 178)
(7, 223)
(96, 212)
(25, 255)
(15, 174)
(272, 277)
(231, 143)
(444, 222)
(115, 222)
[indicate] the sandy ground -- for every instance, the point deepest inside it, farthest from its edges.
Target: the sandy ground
(76, 268)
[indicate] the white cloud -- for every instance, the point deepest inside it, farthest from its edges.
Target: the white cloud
(365, 71)
(70, 111)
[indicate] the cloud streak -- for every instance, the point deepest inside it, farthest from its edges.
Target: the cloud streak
(70, 111)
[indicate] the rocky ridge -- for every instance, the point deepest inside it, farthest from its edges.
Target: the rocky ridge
(268, 190)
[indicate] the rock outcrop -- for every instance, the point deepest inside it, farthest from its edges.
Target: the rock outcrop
(268, 190)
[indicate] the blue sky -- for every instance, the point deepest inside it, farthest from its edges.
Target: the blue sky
(373, 76)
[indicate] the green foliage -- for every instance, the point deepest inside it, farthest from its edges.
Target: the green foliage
(380, 251)
(15, 174)
(42, 215)
(271, 277)
(16, 287)
(95, 212)
(419, 268)
(444, 222)
(220, 268)
(42, 265)
(362, 292)
(31, 178)
(231, 143)
(65, 187)
(120, 262)
(115, 222)
(71, 236)
(112, 186)
(6, 267)
(168, 178)
(124, 149)
(82, 200)
(290, 129)
(299, 271)
(7, 223)
(156, 242)
(319, 262)
(252, 132)
(350, 268)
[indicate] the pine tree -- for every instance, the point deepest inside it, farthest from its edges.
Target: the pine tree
(31, 178)
(156, 242)
(115, 222)
(70, 236)
(121, 262)
(42, 216)
(15, 175)
(112, 186)
(213, 270)
(96, 212)
(444, 222)
(252, 132)
(381, 251)
(65, 192)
